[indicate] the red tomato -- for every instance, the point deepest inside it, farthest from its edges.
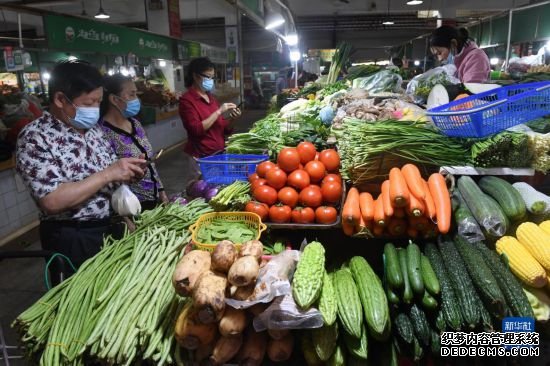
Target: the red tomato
(299, 179)
(266, 194)
(257, 183)
(252, 177)
(288, 159)
(280, 214)
(331, 159)
(311, 197)
(325, 215)
(300, 166)
(332, 178)
(303, 215)
(332, 192)
(262, 168)
(258, 208)
(316, 170)
(288, 196)
(276, 178)
(307, 151)
(316, 156)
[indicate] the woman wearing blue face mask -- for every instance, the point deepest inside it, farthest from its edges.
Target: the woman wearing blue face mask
(200, 112)
(127, 137)
(70, 169)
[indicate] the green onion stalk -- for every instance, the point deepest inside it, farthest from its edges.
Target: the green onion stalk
(232, 198)
(119, 307)
(369, 150)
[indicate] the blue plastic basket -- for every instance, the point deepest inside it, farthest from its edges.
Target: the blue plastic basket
(493, 111)
(227, 168)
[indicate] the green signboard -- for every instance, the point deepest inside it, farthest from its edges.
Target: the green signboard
(187, 50)
(76, 34)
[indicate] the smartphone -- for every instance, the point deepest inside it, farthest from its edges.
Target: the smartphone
(240, 104)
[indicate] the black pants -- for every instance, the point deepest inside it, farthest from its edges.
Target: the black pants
(76, 240)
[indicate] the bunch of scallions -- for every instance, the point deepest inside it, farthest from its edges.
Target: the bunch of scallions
(339, 60)
(369, 150)
(120, 306)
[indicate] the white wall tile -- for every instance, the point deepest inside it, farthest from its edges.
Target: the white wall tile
(16, 225)
(2, 207)
(13, 214)
(19, 183)
(27, 219)
(9, 200)
(27, 207)
(22, 197)
(4, 219)
(7, 184)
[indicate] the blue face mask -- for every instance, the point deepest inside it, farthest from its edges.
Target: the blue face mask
(132, 108)
(451, 58)
(85, 118)
(207, 84)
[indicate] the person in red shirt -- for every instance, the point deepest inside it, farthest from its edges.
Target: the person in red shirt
(202, 116)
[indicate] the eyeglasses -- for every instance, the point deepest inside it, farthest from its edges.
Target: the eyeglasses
(207, 76)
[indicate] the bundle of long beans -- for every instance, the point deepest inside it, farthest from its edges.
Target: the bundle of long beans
(369, 150)
(119, 308)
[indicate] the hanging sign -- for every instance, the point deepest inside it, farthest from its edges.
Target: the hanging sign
(187, 50)
(13, 59)
(174, 20)
(76, 34)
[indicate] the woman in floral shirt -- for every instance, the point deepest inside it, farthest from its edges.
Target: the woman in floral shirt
(127, 137)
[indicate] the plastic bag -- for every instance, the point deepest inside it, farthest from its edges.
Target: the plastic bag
(124, 202)
(384, 81)
(283, 313)
(273, 280)
(421, 85)
(468, 228)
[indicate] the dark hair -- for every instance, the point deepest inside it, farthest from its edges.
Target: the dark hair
(197, 66)
(442, 37)
(112, 85)
(73, 78)
(397, 61)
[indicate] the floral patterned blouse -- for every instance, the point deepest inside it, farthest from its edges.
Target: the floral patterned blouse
(134, 144)
(49, 153)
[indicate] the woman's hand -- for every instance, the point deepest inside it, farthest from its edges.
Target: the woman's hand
(126, 170)
(226, 107)
(163, 197)
(235, 113)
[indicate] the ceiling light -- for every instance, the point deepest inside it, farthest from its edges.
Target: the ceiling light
(294, 55)
(416, 63)
(111, 72)
(101, 14)
(124, 71)
(273, 20)
(72, 58)
(414, 2)
(388, 22)
(46, 75)
(291, 39)
(162, 63)
(494, 61)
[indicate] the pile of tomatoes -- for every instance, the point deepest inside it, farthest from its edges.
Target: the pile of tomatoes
(303, 187)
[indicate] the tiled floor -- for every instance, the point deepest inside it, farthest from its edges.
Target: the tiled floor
(22, 280)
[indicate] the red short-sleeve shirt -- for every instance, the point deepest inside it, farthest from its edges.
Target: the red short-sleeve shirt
(193, 110)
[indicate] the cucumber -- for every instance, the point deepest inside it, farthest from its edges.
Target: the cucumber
(420, 325)
(407, 291)
(450, 310)
(507, 196)
(403, 328)
(485, 209)
(509, 285)
(418, 350)
(394, 276)
(393, 298)
(435, 343)
(467, 226)
(482, 277)
(428, 302)
(413, 268)
(431, 283)
(461, 283)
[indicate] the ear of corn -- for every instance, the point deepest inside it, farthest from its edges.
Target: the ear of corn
(521, 262)
(536, 241)
(545, 225)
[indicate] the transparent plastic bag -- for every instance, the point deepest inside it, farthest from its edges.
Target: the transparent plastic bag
(124, 202)
(467, 226)
(273, 280)
(420, 86)
(283, 313)
(385, 81)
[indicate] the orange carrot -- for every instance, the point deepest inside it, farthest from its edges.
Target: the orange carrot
(399, 193)
(442, 200)
(414, 180)
(399, 213)
(378, 230)
(379, 216)
(412, 232)
(366, 204)
(349, 229)
(416, 206)
(419, 223)
(428, 200)
(351, 212)
(388, 207)
(397, 227)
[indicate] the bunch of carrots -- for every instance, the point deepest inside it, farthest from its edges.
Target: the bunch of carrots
(407, 205)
